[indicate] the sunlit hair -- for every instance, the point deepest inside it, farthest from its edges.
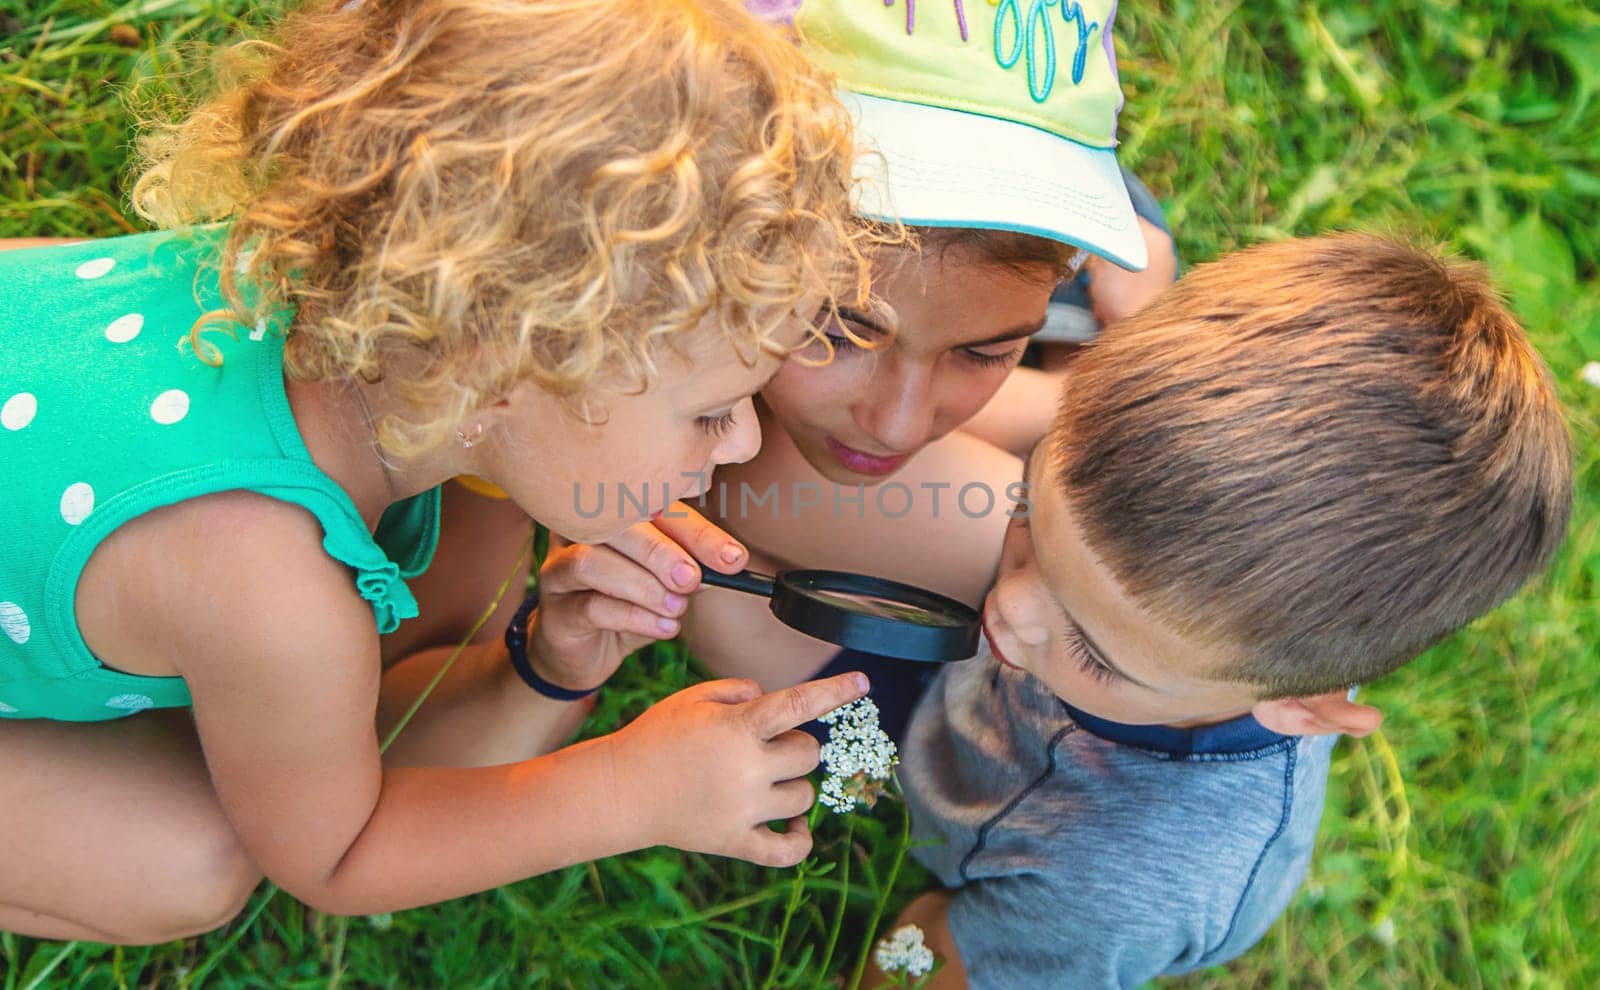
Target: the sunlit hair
(459, 195)
(1321, 455)
(1026, 255)
(1031, 259)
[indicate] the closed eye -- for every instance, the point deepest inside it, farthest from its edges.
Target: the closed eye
(1078, 651)
(994, 360)
(716, 426)
(842, 343)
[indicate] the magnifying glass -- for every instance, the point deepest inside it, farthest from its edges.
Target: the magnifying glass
(874, 615)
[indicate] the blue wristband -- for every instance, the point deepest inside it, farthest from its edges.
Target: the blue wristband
(517, 646)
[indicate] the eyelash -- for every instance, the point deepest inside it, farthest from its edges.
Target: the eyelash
(716, 426)
(842, 343)
(993, 360)
(1078, 651)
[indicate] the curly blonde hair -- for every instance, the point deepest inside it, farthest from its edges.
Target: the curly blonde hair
(460, 195)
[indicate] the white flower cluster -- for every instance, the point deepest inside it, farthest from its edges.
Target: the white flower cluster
(903, 952)
(1591, 373)
(858, 755)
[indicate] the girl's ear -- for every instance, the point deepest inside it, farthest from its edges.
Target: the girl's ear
(486, 417)
(1318, 715)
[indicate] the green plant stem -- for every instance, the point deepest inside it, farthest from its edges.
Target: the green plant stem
(50, 966)
(700, 917)
(341, 929)
(886, 889)
(797, 888)
(199, 973)
(143, 10)
(844, 895)
(521, 567)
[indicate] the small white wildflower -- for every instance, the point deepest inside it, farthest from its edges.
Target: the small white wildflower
(858, 755)
(1591, 373)
(1383, 932)
(382, 922)
(903, 952)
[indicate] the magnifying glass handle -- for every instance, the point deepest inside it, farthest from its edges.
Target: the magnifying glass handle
(750, 582)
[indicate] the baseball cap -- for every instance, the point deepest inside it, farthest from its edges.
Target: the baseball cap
(998, 115)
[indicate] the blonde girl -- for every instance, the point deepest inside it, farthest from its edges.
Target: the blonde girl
(549, 243)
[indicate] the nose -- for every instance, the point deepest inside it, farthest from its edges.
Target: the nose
(743, 441)
(1001, 601)
(897, 408)
(1013, 604)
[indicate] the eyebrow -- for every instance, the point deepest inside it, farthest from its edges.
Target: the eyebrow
(857, 316)
(727, 404)
(1089, 644)
(1017, 332)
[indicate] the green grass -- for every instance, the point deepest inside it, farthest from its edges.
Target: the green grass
(1458, 845)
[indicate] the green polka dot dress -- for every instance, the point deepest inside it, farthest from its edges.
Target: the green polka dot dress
(106, 414)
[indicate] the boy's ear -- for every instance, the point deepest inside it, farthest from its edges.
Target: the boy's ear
(1317, 715)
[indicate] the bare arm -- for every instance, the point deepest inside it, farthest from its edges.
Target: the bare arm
(12, 243)
(478, 714)
(1020, 412)
(598, 604)
(286, 679)
(1116, 293)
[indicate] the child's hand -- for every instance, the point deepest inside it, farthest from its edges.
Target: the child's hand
(710, 766)
(597, 604)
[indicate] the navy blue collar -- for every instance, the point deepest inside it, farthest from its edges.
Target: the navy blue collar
(1241, 735)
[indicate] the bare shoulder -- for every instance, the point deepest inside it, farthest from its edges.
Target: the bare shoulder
(16, 243)
(182, 586)
(962, 458)
(961, 490)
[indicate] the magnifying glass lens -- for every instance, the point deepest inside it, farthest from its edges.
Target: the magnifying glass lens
(862, 603)
(864, 613)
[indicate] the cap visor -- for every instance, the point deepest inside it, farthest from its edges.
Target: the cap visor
(933, 167)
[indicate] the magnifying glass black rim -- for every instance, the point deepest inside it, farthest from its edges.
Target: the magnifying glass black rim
(897, 638)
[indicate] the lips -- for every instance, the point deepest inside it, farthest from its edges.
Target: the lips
(863, 463)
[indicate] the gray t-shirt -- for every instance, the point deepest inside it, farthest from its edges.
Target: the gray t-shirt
(1087, 853)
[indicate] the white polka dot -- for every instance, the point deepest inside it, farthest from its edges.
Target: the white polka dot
(96, 268)
(76, 503)
(131, 702)
(6, 709)
(124, 328)
(170, 406)
(18, 411)
(15, 622)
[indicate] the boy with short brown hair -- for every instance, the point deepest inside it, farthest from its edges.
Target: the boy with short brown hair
(1296, 470)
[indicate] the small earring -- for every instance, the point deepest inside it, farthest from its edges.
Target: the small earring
(468, 440)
